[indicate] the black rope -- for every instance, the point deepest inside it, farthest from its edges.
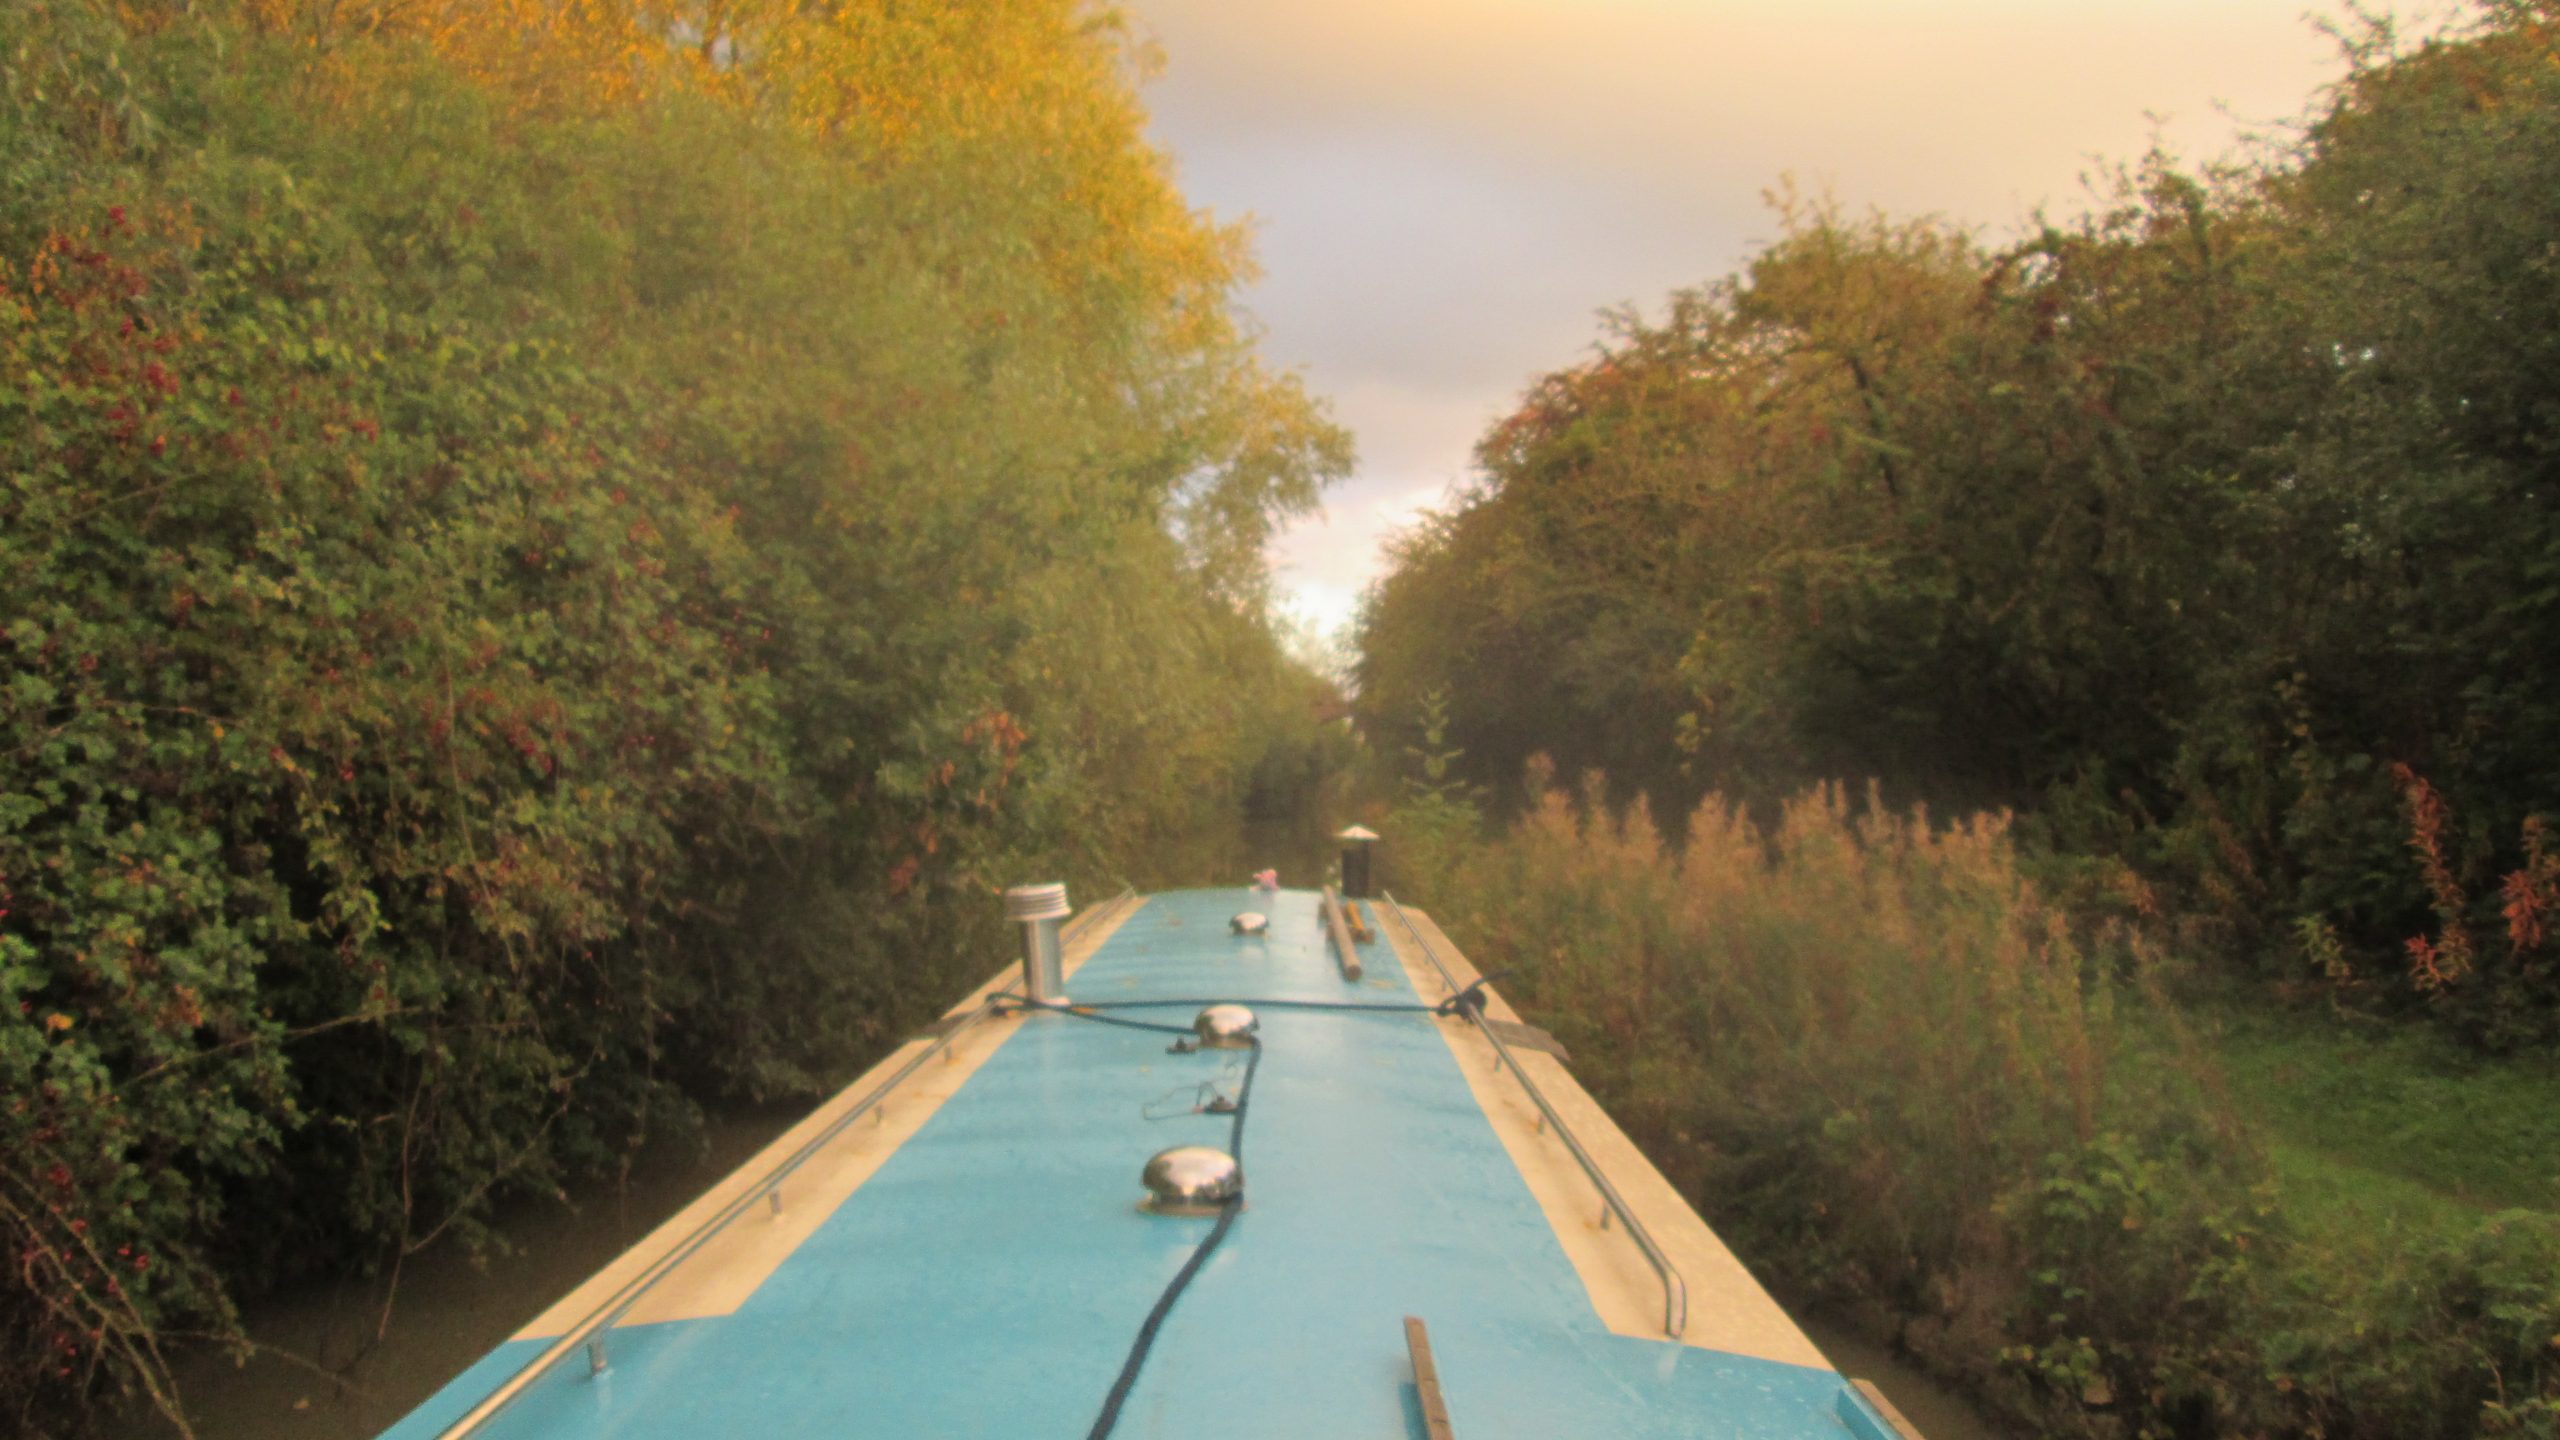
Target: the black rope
(1389, 1008)
(1104, 1423)
(1081, 1013)
(1020, 1006)
(1206, 1099)
(1470, 1000)
(1128, 1381)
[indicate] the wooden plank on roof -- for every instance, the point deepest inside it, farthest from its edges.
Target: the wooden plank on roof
(1343, 949)
(1426, 1381)
(1360, 930)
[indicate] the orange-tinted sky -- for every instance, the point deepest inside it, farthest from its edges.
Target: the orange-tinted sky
(1446, 191)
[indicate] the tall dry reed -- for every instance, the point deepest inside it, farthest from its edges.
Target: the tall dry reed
(1896, 1078)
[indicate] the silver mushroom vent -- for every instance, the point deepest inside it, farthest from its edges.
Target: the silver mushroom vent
(1225, 1027)
(1192, 1180)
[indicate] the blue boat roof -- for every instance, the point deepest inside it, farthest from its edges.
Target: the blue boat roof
(981, 1265)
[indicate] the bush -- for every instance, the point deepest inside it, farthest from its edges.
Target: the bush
(1906, 1086)
(1895, 1076)
(545, 578)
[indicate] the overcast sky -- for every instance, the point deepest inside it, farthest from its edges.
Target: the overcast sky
(1446, 192)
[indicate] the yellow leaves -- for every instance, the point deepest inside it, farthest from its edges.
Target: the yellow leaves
(57, 1022)
(543, 55)
(1031, 102)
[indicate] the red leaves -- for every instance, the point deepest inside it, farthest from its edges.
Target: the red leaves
(2531, 892)
(2528, 895)
(998, 729)
(2430, 968)
(2434, 965)
(2527, 909)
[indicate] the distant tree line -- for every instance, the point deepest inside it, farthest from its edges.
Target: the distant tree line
(2217, 529)
(552, 556)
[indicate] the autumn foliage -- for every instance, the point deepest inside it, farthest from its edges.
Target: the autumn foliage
(551, 557)
(2185, 526)
(1915, 1091)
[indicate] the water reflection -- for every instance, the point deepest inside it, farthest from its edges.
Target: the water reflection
(449, 1310)
(1938, 1412)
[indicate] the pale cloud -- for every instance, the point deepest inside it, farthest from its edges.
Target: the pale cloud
(1445, 192)
(1323, 565)
(1415, 439)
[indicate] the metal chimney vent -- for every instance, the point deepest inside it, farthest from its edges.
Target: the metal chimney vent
(1225, 1027)
(1036, 902)
(1192, 1180)
(1038, 909)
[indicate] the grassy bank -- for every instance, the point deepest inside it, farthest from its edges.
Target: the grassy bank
(2374, 1113)
(1905, 1085)
(2419, 1180)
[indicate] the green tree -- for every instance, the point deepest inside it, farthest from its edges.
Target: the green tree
(547, 574)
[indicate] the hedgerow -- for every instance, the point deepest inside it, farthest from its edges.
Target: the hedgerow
(1913, 1090)
(546, 573)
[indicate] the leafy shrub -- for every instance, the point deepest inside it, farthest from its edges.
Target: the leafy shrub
(545, 576)
(2181, 524)
(1894, 1074)
(1906, 1086)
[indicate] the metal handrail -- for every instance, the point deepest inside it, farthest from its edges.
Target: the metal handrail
(1675, 1291)
(589, 1332)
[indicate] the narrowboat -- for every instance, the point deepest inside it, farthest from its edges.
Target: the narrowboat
(1232, 1163)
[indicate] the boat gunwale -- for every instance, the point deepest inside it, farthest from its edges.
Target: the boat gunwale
(590, 1330)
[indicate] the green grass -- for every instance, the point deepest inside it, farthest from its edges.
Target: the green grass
(2353, 1213)
(2381, 1131)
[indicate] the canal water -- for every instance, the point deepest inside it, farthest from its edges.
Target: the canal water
(337, 1371)
(1936, 1411)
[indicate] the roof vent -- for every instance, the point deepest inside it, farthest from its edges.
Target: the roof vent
(1225, 1027)
(1038, 909)
(1357, 842)
(1251, 922)
(1036, 902)
(1192, 1180)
